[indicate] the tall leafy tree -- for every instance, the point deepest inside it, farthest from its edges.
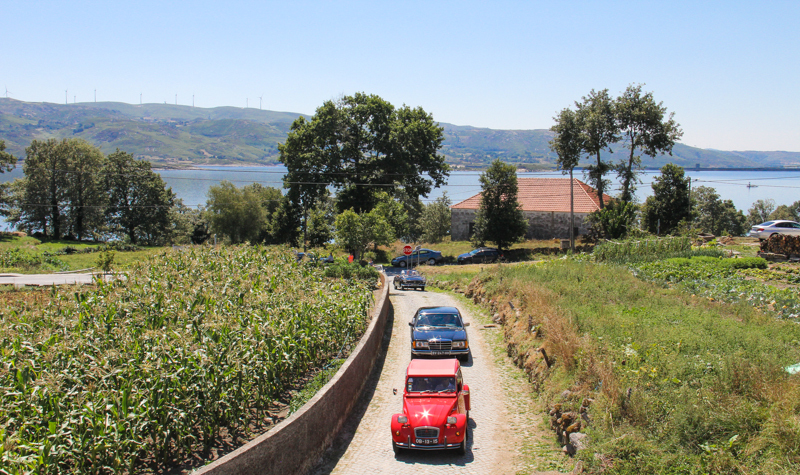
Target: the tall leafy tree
(567, 144)
(598, 123)
(241, 214)
(393, 212)
(320, 223)
(139, 201)
(360, 144)
(643, 126)
(670, 203)
(85, 188)
(760, 211)
(436, 219)
(568, 141)
(7, 161)
(355, 232)
(45, 187)
(789, 213)
(500, 218)
(714, 215)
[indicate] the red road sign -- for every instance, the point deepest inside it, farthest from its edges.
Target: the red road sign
(407, 250)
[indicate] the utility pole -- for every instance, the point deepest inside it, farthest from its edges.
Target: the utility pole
(571, 212)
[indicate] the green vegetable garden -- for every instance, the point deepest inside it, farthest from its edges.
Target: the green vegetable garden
(194, 346)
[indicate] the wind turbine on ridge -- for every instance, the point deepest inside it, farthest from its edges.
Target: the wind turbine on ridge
(259, 100)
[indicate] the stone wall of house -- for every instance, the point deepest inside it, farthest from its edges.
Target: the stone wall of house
(460, 220)
(541, 224)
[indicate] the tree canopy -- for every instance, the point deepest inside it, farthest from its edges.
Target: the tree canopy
(714, 215)
(600, 121)
(670, 203)
(361, 145)
(436, 219)
(7, 161)
(642, 124)
(598, 124)
(139, 201)
(355, 232)
(500, 218)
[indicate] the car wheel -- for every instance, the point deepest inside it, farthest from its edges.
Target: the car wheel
(422, 288)
(412, 355)
(431, 262)
(401, 263)
(462, 449)
(395, 448)
(463, 358)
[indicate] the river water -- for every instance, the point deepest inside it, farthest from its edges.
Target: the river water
(782, 186)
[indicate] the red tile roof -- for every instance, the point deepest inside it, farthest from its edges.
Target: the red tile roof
(548, 194)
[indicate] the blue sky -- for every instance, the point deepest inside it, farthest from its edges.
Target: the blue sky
(729, 70)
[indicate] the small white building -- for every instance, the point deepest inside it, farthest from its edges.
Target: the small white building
(545, 202)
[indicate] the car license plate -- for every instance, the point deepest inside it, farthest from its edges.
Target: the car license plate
(426, 441)
(439, 353)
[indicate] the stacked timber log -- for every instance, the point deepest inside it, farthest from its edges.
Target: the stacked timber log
(780, 247)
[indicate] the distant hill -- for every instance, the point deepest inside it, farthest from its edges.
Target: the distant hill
(183, 136)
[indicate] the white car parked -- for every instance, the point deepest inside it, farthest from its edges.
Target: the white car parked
(765, 230)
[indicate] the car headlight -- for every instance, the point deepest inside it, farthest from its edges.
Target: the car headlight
(451, 419)
(460, 344)
(420, 344)
(404, 419)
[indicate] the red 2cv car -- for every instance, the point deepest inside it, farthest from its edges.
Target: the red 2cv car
(435, 408)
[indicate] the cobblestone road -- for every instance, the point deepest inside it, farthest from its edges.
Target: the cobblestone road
(495, 434)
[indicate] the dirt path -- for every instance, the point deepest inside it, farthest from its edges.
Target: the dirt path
(505, 430)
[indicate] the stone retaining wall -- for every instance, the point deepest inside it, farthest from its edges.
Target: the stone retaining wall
(541, 224)
(297, 443)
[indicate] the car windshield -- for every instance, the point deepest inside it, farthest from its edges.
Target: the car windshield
(438, 320)
(472, 253)
(431, 384)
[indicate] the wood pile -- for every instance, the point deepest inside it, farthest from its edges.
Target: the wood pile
(781, 244)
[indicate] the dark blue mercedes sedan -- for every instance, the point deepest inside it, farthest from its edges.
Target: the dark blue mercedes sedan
(439, 331)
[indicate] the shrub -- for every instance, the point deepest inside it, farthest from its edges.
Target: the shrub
(344, 270)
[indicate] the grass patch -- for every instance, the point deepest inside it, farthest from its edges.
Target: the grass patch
(679, 384)
(29, 255)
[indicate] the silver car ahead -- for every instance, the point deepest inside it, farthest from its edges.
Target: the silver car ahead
(765, 230)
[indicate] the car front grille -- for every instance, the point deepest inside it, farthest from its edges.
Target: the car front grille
(426, 432)
(439, 345)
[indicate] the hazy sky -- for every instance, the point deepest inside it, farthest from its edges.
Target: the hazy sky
(729, 70)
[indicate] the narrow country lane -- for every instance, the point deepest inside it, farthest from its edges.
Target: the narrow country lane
(496, 434)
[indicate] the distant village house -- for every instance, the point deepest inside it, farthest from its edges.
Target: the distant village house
(545, 202)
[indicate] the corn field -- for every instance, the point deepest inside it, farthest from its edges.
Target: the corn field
(137, 374)
(648, 250)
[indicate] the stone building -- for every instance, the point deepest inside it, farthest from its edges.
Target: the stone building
(545, 202)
